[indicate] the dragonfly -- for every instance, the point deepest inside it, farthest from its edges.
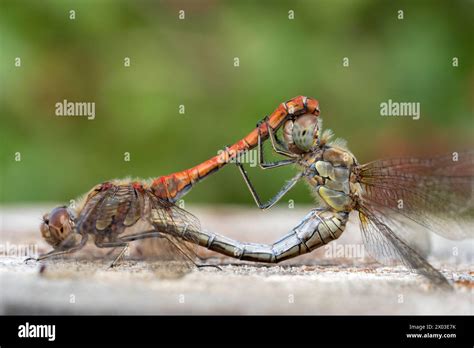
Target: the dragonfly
(118, 212)
(434, 193)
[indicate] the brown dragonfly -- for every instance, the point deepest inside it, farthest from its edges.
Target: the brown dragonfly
(434, 193)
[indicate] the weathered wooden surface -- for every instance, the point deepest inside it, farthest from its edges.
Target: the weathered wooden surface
(332, 280)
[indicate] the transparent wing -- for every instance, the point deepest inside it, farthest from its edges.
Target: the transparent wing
(89, 212)
(177, 224)
(412, 233)
(388, 248)
(170, 218)
(436, 193)
(110, 208)
(119, 211)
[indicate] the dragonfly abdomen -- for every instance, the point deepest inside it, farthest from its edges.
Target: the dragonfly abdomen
(174, 186)
(318, 228)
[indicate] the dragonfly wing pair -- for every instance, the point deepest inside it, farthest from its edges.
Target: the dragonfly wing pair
(435, 193)
(118, 213)
(432, 193)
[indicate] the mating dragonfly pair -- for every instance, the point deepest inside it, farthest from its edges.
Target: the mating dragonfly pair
(429, 192)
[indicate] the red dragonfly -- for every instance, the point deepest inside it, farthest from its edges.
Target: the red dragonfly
(174, 186)
(120, 211)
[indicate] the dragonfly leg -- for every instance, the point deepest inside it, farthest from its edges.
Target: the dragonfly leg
(264, 165)
(119, 256)
(110, 244)
(288, 186)
(281, 144)
(114, 245)
(123, 242)
(54, 253)
(270, 165)
(275, 141)
(178, 247)
(142, 235)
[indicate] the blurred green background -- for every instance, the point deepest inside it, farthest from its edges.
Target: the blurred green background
(191, 62)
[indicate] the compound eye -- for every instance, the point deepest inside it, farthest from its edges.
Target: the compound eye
(57, 227)
(58, 217)
(305, 132)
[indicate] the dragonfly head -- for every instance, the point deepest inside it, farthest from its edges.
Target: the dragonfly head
(302, 134)
(58, 228)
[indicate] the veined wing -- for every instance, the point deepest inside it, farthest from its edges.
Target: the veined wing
(388, 248)
(437, 193)
(410, 231)
(177, 224)
(111, 208)
(122, 210)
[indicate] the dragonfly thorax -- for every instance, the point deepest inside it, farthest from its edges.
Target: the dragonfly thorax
(329, 174)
